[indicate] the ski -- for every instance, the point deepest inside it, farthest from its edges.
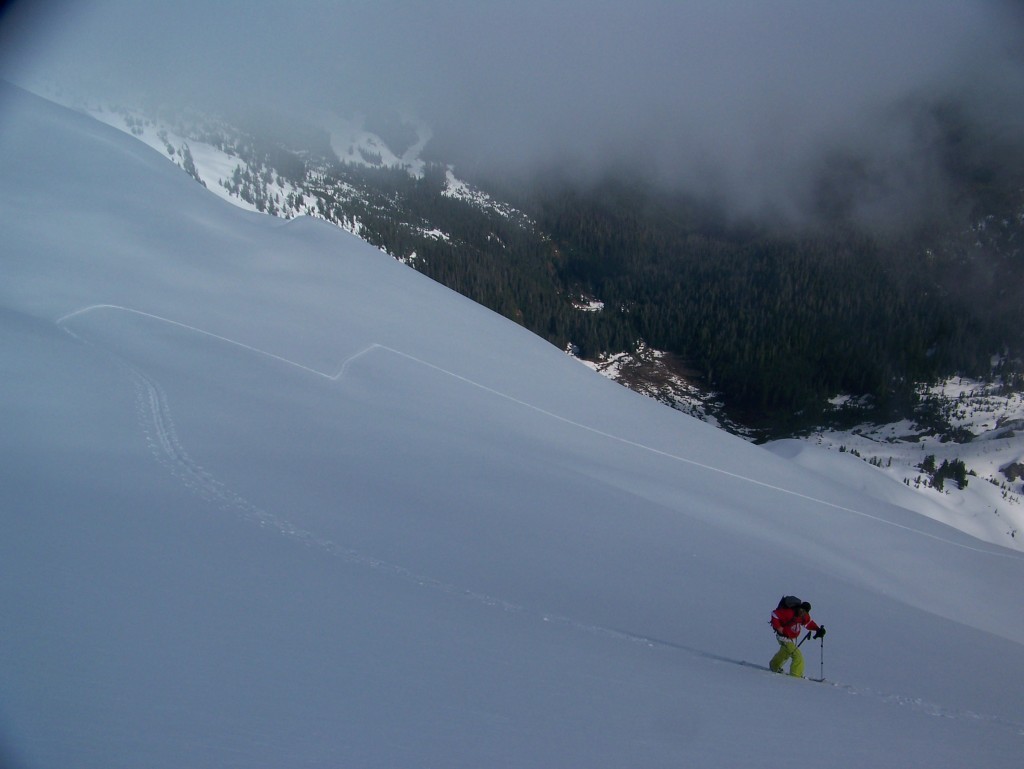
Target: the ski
(766, 669)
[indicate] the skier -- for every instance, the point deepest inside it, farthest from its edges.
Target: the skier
(788, 621)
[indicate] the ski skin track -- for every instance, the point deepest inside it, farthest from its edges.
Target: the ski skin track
(339, 375)
(161, 436)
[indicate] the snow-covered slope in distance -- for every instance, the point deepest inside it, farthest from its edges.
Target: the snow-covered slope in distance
(274, 500)
(210, 151)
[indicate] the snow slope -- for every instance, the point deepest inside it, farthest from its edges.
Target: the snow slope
(272, 499)
(990, 509)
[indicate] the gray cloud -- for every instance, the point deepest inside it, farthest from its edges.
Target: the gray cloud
(738, 100)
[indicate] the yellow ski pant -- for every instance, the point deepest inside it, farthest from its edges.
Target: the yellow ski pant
(788, 651)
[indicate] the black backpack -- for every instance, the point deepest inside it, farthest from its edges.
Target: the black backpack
(788, 602)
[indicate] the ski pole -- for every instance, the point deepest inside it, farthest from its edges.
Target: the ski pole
(803, 639)
(821, 671)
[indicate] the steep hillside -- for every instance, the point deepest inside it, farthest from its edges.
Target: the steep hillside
(273, 499)
(770, 319)
(386, 192)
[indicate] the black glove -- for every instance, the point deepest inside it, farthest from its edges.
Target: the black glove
(819, 633)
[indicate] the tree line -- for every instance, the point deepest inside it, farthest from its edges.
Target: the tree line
(777, 321)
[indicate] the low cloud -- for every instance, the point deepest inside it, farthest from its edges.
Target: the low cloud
(742, 102)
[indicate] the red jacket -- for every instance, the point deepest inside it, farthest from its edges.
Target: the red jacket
(786, 623)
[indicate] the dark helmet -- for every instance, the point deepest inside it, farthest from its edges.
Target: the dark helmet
(806, 607)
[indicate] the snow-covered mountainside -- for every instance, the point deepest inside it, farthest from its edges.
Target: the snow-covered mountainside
(272, 499)
(973, 482)
(229, 163)
(225, 160)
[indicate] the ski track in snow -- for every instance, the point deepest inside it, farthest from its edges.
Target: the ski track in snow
(154, 415)
(565, 420)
